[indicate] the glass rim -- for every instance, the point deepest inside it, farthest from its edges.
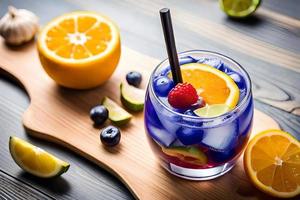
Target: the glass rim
(238, 107)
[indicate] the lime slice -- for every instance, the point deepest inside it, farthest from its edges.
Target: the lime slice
(116, 114)
(239, 8)
(132, 98)
(35, 160)
(212, 110)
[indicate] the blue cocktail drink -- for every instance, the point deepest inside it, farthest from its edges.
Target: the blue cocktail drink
(192, 146)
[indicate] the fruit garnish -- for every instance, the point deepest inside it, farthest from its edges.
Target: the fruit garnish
(162, 86)
(84, 45)
(182, 96)
(189, 135)
(239, 8)
(212, 110)
(272, 162)
(213, 85)
(132, 98)
(134, 78)
(35, 160)
(116, 114)
(188, 154)
(110, 136)
(99, 114)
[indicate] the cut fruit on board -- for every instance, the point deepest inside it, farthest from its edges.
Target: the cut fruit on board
(116, 114)
(132, 162)
(272, 161)
(85, 45)
(132, 98)
(35, 160)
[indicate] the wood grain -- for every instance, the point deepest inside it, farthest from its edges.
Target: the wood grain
(12, 188)
(84, 179)
(228, 36)
(61, 115)
(202, 26)
(280, 18)
(143, 33)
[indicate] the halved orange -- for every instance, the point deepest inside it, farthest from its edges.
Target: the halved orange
(215, 86)
(272, 162)
(79, 49)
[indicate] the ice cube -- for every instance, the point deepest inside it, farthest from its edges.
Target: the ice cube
(165, 70)
(160, 135)
(221, 138)
(226, 69)
(214, 62)
(187, 59)
(167, 118)
(168, 122)
(238, 79)
(177, 143)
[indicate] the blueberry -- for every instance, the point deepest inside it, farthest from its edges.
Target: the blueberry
(162, 85)
(134, 78)
(189, 136)
(221, 157)
(110, 136)
(238, 79)
(99, 114)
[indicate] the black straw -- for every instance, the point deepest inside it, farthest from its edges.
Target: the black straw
(166, 22)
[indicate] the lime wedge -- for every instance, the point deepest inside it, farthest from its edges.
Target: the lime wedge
(212, 110)
(132, 98)
(239, 8)
(116, 114)
(35, 160)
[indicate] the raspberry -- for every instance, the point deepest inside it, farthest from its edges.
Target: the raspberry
(182, 96)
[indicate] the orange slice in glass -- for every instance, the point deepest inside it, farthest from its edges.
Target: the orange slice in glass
(80, 49)
(215, 86)
(272, 161)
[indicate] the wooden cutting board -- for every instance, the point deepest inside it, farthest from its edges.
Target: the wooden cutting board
(61, 115)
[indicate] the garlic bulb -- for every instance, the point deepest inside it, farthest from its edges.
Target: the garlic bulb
(18, 26)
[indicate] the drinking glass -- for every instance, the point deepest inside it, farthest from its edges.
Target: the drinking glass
(192, 147)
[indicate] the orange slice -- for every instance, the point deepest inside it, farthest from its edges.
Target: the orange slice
(272, 161)
(213, 85)
(80, 49)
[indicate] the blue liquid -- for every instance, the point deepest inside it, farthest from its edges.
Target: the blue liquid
(221, 139)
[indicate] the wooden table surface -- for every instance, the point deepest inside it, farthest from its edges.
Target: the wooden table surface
(267, 45)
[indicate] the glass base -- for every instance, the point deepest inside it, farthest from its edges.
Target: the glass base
(198, 174)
